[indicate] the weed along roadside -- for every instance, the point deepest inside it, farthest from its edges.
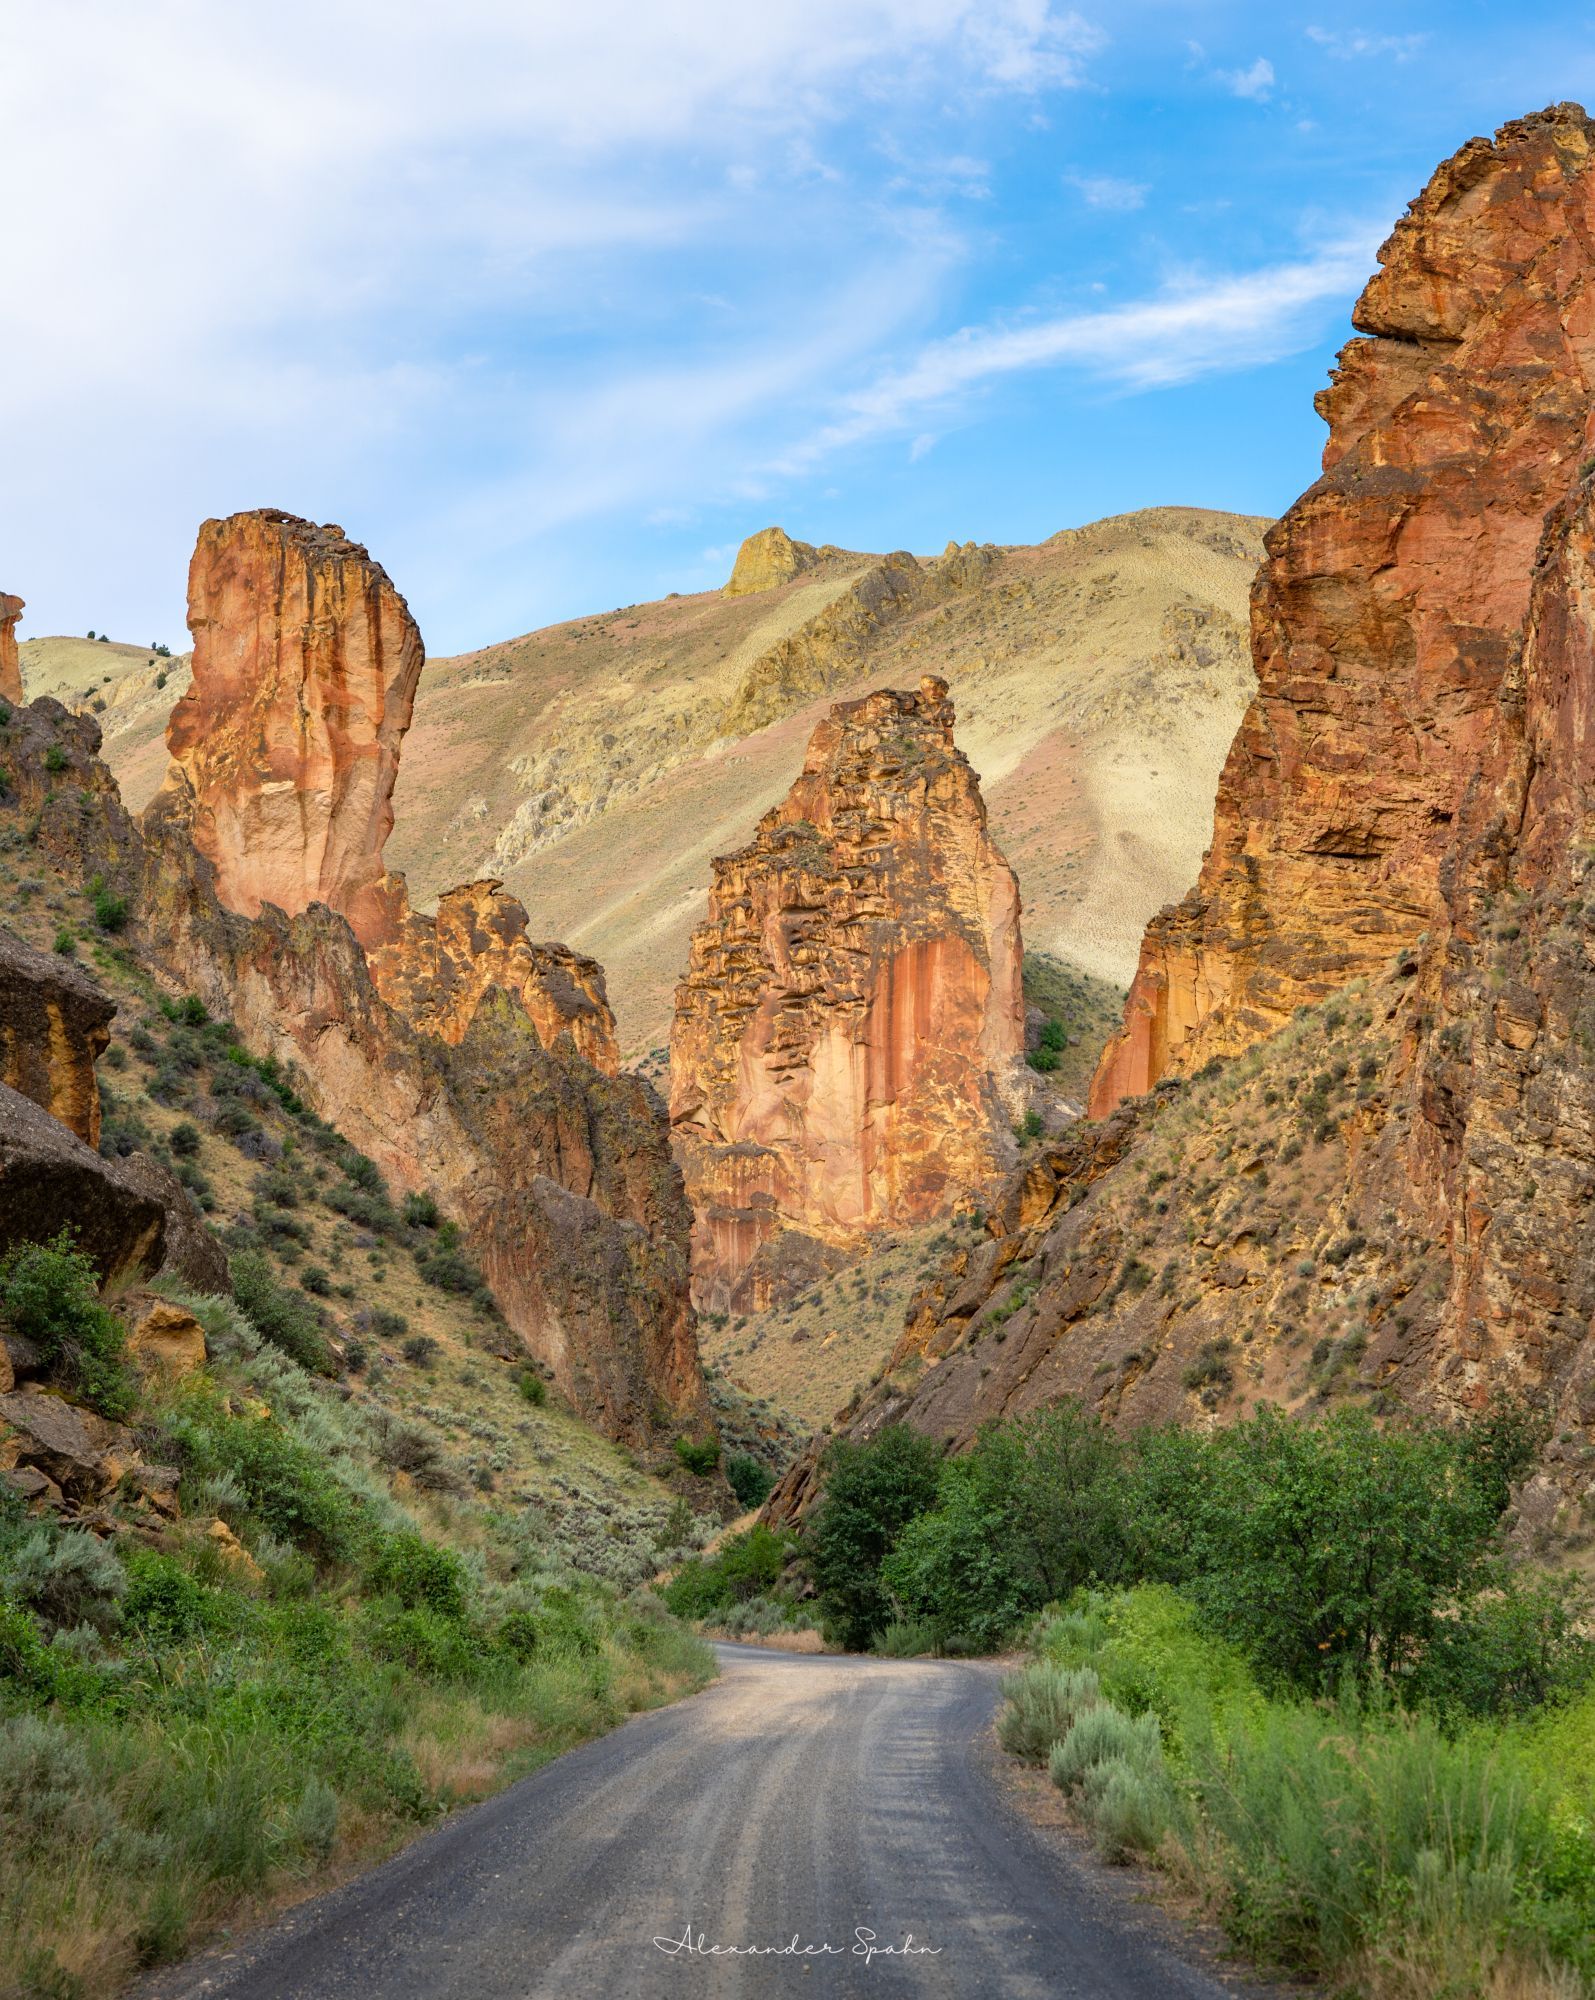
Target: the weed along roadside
(279, 1675)
(1293, 1664)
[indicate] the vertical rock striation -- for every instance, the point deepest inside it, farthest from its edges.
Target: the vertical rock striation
(55, 1024)
(1390, 606)
(851, 1016)
(305, 667)
(11, 609)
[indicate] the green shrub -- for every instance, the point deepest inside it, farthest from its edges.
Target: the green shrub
(906, 1639)
(66, 1578)
(1042, 1703)
(276, 1315)
(1099, 1734)
(164, 1601)
(55, 758)
(749, 1480)
(1130, 1809)
(700, 1456)
(420, 1211)
(49, 1294)
(184, 1139)
(749, 1565)
(418, 1572)
(533, 1388)
(66, 941)
(872, 1491)
(420, 1350)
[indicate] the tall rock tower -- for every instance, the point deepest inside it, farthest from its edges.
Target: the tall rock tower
(1390, 606)
(852, 1018)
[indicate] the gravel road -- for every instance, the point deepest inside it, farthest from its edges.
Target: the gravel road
(837, 1802)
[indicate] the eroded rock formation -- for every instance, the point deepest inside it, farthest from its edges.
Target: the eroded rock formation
(437, 970)
(54, 1026)
(459, 1054)
(851, 1013)
(11, 609)
(305, 667)
(1390, 606)
(1390, 1198)
(766, 559)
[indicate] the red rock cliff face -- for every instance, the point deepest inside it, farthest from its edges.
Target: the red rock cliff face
(438, 969)
(852, 1009)
(1390, 606)
(460, 1055)
(10, 666)
(55, 1024)
(305, 667)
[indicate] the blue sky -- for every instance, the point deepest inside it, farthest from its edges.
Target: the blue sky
(550, 305)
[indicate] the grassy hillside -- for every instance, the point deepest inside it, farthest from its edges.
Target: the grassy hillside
(375, 1569)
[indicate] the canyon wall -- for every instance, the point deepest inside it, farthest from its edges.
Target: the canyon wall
(11, 609)
(1390, 606)
(459, 1054)
(851, 1016)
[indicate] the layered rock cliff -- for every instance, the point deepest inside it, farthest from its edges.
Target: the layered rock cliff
(851, 1013)
(1390, 606)
(1387, 1199)
(463, 1057)
(11, 609)
(305, 666)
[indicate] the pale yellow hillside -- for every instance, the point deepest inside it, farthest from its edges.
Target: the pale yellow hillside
(128, 689)
(1099, 678)
(600, 765)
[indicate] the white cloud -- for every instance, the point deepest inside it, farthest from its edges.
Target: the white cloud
(926, 441)
(1347, 45)
(1107, 191)
(1256, 82)
(300, 254)
(1196, 327)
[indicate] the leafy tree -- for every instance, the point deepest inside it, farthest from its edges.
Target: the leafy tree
(872, 1492)
(1326, 1550)
(749, 1480)
(1034, 1510)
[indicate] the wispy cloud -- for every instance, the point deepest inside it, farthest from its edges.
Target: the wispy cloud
(1194, 328)
(1109, 192)
(1347, 44)
(1255, 82)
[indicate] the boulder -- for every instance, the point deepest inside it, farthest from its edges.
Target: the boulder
(163, 1336)
(54, 1025)
(50, 1178)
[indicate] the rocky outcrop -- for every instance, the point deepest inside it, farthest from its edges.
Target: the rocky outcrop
(50, 1178)
(305, 667)
(851, 1014)
(1389, 1198)
(1391, 605)
(54, 1025)
(162, 1337)
(559, 1175)
(829, 648)
(437, 970)
(767, 559)
(11, 609)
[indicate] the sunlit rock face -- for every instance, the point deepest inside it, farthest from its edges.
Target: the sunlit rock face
(10, 663)
(1390, 607)
(851, 1019)
(305, 667)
